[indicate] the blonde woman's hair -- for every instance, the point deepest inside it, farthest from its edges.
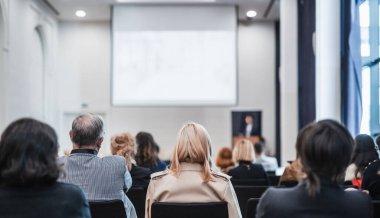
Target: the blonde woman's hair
(243, 151)
(122, 144)
(193, 146)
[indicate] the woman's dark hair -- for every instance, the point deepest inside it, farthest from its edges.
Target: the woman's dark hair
(28, 154)
(325, 151)
(301, 137)
(146, 150)
(364, 153)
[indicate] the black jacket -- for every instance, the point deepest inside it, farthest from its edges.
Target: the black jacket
(140, 176)
(59, 200)
(248, 170)
(331, 202)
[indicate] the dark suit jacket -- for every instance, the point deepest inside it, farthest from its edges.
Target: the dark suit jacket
(43, 201)
(332, 202)
(248, 170)
(254, 131)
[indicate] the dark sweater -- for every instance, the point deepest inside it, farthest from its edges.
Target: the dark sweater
(248, 170)
(59, 200)
(332, 201)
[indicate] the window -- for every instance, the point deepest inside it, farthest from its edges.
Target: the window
(369, 30)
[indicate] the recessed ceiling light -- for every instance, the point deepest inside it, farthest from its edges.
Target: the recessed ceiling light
(80, 13)
(251, 13)
(164, 1)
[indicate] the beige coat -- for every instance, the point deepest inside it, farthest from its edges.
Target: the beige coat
(189, 187)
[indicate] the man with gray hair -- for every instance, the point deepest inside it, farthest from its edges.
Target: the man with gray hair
(100, 178)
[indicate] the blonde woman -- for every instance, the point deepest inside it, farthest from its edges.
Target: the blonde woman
(123, 144)
(244, 155)
(190, 178)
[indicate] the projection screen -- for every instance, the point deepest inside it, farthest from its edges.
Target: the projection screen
(174, 55)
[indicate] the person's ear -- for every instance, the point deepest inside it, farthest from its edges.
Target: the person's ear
(71, 134)
(99, 142)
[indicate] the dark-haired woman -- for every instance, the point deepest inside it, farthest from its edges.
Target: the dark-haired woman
(324, 154)
(364, 153)
(147, 153)
(28, 175)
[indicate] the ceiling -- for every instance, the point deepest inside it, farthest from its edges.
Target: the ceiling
(101, 9)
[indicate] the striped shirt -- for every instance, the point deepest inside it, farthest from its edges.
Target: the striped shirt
(100, 178)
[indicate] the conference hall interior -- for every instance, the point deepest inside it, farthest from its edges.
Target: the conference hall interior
(237, 90)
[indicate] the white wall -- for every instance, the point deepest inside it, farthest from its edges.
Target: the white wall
(2, 61)
(84, 68)
(29, 77)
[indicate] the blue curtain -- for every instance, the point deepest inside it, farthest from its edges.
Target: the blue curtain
(351, 66)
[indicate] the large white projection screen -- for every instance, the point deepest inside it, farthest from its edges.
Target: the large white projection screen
(174, 55)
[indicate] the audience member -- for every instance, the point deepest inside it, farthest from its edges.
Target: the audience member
(29, 173)
(269, 163)
(100, 178)
(371, 179)
(371, 176)
(325, 153)
(190, 178)
(243, 154)
(224, 159)
(147, 153)
(364, 153)
(123, 144)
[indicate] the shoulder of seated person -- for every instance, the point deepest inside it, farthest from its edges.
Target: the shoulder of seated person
(114, 159)
(158, 175)
(373, 163)
(221, 175)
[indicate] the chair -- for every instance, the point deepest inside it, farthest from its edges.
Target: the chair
(251, 207)
(137, 196)
(374, 190)
(273, 180)
(243, 193)
(250, 182)
(189, 210)
(376, 208)
(107, 209)
(287, 184)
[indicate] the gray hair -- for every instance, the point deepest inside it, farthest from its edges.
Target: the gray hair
(87, 129)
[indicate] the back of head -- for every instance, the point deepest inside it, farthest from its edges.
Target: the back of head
(224, 158)
(364, 152)
(146, 151)
(28, 154)
(258, 148)
(122, 143)
(243, 151)
(86, 130)
(325, 152)
(192, 146)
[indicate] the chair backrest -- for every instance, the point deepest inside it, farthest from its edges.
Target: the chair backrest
(288, 184)
(374, 190)
(189, 210)
(273, 180)
(376, 208)
(243, 193)
(137, 196)
(250, 182)
(107, 209)
(251, 207)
